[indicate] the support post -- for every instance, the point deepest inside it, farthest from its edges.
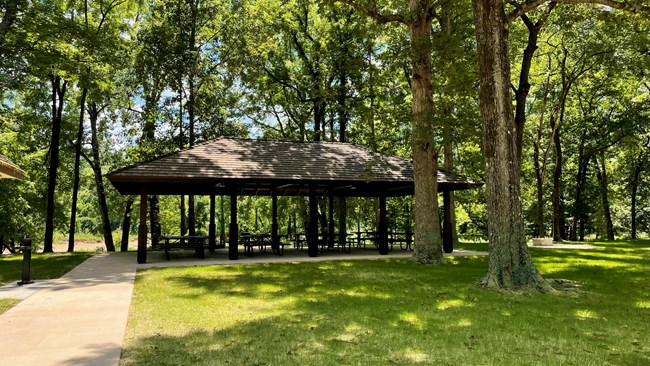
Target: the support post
(382, 227)
(312, 230)
(212, 228)
(233, 235)
(26, 247)
(330, 238)
(447, 230)
(275, 240)
(142, 228)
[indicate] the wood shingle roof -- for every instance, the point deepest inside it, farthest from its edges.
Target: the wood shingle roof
(248, 166)
(9, 170)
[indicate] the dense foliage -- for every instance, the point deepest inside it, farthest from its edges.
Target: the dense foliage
(128, 80)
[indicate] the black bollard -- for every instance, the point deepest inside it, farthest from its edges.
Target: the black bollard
(26, 247)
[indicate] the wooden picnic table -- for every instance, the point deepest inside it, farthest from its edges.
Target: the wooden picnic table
(404, 239)
(261, 241)
(196, 242)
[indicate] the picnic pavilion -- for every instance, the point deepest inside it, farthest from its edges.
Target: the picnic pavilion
(250, 167)
(9, 170)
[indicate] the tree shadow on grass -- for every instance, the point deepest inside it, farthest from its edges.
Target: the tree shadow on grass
(379, 312)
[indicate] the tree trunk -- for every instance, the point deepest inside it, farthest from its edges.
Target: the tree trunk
(558, 212)
(154, 221)
(428, 244)
(604, 192)
(634, 187)
(77, 163)
(97, 169)
(510, 265)
(126, 224)
(581, 176)
(539, 217)
(449, 166)
(58, 93)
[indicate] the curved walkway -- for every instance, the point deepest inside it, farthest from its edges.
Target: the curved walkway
(80, 318)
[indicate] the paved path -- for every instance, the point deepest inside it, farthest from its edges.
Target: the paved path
(80, 318)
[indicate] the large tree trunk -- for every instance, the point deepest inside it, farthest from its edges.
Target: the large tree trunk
(58, 93)
(77, 163)
(99, 183)
(604, 192)
(510, 265)
(126, 224)
(428, 244)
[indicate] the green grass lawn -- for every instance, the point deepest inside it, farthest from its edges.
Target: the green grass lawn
(386, 312)
(6, 304)
(44, 266)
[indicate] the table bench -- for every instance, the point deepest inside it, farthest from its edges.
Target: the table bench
(195, 242)
(261, 241)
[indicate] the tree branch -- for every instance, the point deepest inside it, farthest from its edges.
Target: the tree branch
(530, 5)
(372, 12)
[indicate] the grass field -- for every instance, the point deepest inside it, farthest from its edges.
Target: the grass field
(44, 266)
(385, 312)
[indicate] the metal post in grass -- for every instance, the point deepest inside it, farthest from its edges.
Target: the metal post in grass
(26, 247)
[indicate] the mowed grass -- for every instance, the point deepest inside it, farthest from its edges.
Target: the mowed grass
(44, 266)
(6, 304)
(385, 312)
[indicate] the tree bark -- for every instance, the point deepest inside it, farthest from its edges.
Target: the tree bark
(99, 183)
(510, 265)
(581, 179)
(558, 211)
(126, 224)
(604, 192)
(58, 94)
(634, 188)
(428, 244)
(449, 166)
(77, 163)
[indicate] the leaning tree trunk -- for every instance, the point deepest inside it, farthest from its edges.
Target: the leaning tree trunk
(99, 182)
(428, 244)
(77, 163)
(510, 264)
(126, 224)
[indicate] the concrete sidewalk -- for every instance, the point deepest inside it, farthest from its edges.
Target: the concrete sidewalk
(80, 318)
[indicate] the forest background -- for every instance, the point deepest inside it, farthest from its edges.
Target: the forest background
(91, 86)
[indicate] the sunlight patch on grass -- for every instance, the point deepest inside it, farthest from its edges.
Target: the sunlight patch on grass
(409, 355)
(450, 304)
(353, 333)
(464, 322)
(269, 288)
(413, 319)
(643, 304)
(585, 314)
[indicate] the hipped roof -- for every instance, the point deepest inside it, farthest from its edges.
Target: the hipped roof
(9, 170)
(250, 167)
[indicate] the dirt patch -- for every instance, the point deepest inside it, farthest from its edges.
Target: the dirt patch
(88, 245)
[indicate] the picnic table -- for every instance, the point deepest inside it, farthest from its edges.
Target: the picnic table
(324, 242)
(261, 241)
(195, 242)
(405, 240)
